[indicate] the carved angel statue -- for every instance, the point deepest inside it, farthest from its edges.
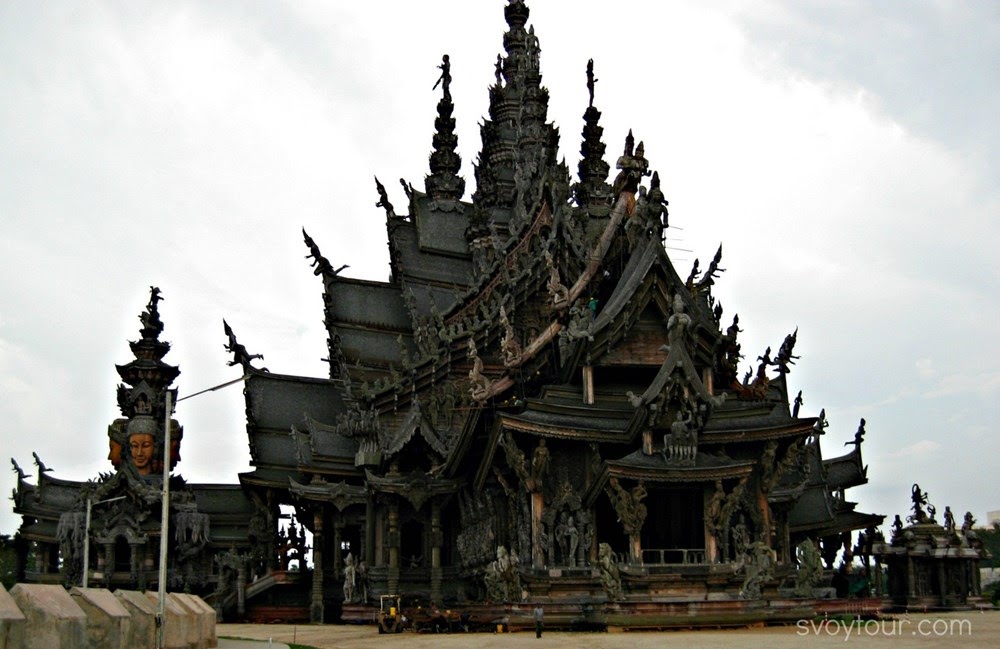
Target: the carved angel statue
(480, 383)
(383, 200)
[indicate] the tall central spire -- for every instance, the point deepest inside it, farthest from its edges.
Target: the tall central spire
(519, 147)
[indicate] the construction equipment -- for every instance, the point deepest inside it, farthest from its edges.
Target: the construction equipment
(390, 614)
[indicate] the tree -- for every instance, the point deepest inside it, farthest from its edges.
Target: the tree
(8, 561)
(991, 543)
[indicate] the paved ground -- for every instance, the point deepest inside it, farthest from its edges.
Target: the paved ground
(228, 643)
(916, 631)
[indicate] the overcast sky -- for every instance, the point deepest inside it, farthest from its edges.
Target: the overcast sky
(844, 153)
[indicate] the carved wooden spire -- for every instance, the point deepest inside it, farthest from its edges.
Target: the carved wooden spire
(519, 148)
(445, 163)
(593, 188)
(148, 367)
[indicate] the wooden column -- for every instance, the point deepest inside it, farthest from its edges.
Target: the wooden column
(393, 572)
(537, 511)
(273, 515)
(436, 539)
(336, 570)
(588, 385)
(316, 606)
(241, 589)
(370, 532)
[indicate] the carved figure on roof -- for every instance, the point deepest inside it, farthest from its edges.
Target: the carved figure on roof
(797, 405)
(949, 520)
(859, 436)
(765, 361)
(734, 329)
(17, 469)
(678, 322)
(498, 70)
(708, 279)
(785, 357)
(821, 423)
(480, 383)
(968, 535)
(240, 355)
(897, 525)
(38, 462)
(508, 344)
(407, 188)
(531, 45)
(150, 318)
(919, 500)
(590, 81)
(383, 200)
(445, 79)
(320, 264)
(557, 290)
(633, 166)
(692, 276)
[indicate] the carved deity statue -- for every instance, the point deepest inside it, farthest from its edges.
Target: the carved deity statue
(610, 576)
(350, 581)
(539, 464)
(810, 571)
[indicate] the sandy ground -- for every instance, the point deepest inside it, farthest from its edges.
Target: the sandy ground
(964, 629)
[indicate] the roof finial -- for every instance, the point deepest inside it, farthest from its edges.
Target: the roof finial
(240, 354)
(444, 181)
(445, 79)
(591, 81)
(383, 200)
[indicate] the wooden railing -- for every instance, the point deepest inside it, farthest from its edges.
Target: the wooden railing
(673, 556)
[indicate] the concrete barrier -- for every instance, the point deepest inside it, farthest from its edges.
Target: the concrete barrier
(12, 622)
(204, 613)
(108, 621)
(179, 631)
(53, 619)
(142, 620)
(196, 630)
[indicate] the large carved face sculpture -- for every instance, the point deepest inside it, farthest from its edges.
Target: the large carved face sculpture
(142, 447)
(114, 452)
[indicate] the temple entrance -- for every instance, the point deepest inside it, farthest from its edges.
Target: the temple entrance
(411, 544)
(123, 555)
(674, 528)
(350, 541)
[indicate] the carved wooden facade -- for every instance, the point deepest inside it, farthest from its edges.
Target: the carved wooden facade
(536, 404)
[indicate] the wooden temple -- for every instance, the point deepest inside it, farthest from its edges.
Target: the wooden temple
(536, 406)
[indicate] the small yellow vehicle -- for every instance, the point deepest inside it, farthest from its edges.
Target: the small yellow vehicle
(390, 614)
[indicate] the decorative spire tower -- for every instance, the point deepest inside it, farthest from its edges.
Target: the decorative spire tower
(519, 148)
(593, 189)
(444, 183)
(142, 399)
